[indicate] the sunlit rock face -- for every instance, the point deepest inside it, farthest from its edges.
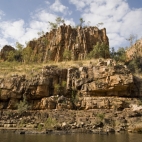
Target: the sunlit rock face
(56, 88)
(79, 41)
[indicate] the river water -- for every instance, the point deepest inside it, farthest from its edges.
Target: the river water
(125, 137)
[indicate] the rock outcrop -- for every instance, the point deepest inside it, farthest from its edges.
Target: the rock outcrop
(104, 79)
(5, 51)
(134, 51)
(79, 41)
(55, 88)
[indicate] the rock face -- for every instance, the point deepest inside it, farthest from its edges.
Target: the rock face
(103, 120)
(134, 51)
(66, 88)
(79, 41)
(104, 79)
(5, 50)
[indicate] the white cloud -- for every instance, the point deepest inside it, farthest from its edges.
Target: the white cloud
(118, 18)
(45, 16)
(20, 31)
(115, 39)
(12, 29)
(58, 7)
(70, 22)
(132, 23)
(3, 42)
(78, 3)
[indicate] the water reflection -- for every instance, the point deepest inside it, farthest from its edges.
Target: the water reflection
(10, 137)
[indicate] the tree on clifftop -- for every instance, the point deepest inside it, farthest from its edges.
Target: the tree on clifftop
(81, 21)
(99, 51)
(120, 55)
(55, 25)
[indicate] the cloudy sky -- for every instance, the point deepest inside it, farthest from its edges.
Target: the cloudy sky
(21, 20)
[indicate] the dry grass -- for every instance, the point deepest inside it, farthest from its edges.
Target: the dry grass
(16, 68)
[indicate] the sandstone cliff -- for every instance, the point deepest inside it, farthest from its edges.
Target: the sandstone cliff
(134, 51)
(79, 41)
(57, 87)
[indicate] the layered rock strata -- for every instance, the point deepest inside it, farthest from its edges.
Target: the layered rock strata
(55, 88)
(101, 121)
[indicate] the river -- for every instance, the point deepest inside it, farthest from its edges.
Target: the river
(11, 137)
(125, 137)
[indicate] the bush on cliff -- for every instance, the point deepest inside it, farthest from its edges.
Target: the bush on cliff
(22, 106)
(99, 51)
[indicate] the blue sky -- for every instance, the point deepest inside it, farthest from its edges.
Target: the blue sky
(21, 20)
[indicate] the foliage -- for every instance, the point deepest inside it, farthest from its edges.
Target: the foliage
(21, 123)
(11, 56)
(64, 83)
(74, 97)
(99, 51)
(41, 33)
(39, 127)
(101, 116)
(135, 65)
(99, 24)
(120, 55)
(67, 54)
(16, 55)
(81, 21)
(50, 122)
(58, 22)
(53, 25)
(57, 88)
(45, 41)
(140, 102)
(26, 54)
(131, 39)
(22, 106)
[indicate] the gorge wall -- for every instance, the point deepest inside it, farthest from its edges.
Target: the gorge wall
(55, 88)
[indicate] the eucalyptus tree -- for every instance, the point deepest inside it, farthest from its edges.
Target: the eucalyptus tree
(81, 21)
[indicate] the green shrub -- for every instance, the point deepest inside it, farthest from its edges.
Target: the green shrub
(99, 51)
(67, 54)
(22, 106)
(39, 127)
(50, 122)
(57, 88)
(101, 116)
(64, 83)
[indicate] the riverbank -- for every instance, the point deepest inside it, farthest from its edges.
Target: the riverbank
(101, 121)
